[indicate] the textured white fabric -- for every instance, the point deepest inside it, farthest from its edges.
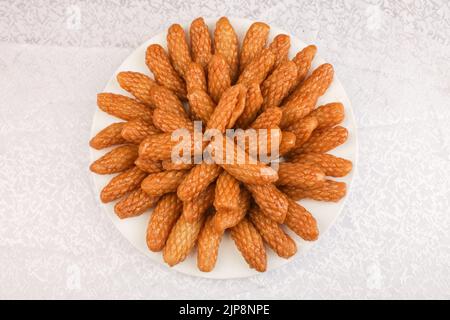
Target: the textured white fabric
(391, 241)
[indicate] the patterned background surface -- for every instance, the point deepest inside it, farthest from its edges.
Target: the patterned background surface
(392, 240)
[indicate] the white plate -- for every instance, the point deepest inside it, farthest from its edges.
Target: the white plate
(230, 263)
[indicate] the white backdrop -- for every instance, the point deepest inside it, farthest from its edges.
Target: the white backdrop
(392, 239)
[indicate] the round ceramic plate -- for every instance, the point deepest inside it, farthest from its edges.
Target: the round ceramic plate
(230, 263)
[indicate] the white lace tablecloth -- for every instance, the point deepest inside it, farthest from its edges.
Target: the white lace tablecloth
(392, 239)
